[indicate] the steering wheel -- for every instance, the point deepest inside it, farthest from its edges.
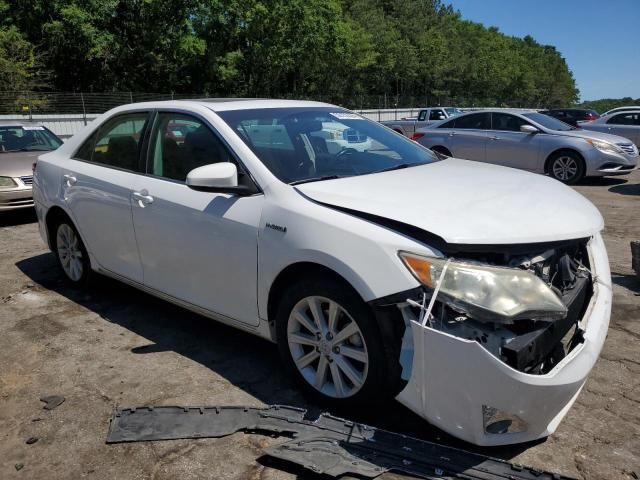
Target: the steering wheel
(345, 152)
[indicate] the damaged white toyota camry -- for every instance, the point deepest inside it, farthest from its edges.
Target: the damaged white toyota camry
(477, 295)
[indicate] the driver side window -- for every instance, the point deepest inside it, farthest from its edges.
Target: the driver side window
(180, 143)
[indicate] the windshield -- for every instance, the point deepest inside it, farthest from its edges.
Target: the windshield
(452, 112)
(308, 144)
(27, 138)
(549, 122)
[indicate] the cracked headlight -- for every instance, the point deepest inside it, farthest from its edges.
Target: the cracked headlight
(488, 293)
(605, 147)
(6, 182)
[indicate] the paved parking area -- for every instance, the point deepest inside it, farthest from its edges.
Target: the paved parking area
(112, 344)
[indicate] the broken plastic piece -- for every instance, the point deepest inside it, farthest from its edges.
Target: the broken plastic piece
(328, 445)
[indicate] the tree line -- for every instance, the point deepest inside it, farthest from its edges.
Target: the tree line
(418, 51)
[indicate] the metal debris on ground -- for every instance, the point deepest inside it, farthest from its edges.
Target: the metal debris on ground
(327, 445)
(52, 401)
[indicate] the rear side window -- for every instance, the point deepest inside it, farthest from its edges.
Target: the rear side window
(85, 151)
(117, 143)
(180, 143)
(506, 122)
(625, 119)
(474, 121)
(436, 115)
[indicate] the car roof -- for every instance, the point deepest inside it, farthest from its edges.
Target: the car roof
(224, 104)
(17, 123)
(619, 109)
(502, 110)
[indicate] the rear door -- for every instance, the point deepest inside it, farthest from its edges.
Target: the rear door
(97, 185)
(510, 147)
(198, 247)
(468, 137)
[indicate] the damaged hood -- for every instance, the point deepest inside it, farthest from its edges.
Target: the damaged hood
(466, 202)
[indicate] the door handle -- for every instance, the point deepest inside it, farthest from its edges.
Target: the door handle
(452, 134)
(69, 179)
(143, 198)
(495, 138)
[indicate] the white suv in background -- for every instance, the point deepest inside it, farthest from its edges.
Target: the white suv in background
(478, 295)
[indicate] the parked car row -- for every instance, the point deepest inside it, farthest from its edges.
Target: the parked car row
(426, 116)
(382, 270)
(531, 141)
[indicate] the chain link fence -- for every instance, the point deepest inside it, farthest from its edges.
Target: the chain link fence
(66, 112)
(33, 103)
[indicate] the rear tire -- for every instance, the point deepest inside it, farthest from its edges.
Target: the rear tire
(70, 252)
(441, 150)
(330, 343)
(567, 167)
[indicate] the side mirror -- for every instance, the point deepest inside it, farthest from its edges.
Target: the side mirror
(217, 177)
(529, 129)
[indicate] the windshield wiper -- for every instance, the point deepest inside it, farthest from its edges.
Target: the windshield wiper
(396, 167)
(316, 179)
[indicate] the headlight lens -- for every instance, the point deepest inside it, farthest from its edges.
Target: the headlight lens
(605, 147)
(7, 182)
(488, 293)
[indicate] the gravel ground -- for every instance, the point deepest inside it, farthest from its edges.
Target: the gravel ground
(112, 344)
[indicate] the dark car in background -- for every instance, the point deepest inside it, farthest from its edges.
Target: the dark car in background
(573, 115)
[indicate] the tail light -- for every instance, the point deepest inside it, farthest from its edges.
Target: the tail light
(416, 136)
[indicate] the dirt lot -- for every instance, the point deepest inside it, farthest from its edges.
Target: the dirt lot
(112, 345)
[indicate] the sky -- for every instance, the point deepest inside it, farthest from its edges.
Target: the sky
(599, 39)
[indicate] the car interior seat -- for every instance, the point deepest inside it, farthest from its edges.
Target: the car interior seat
(122, 152)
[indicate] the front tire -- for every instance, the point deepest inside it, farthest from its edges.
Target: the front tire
(71, 253)
(567, 167)
(330, 343)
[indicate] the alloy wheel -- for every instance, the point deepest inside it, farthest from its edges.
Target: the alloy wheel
(69, 252)
(327, 347)
(565, 168)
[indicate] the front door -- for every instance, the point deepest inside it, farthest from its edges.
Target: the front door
(97, 185)
(510, 147)
(199, 247)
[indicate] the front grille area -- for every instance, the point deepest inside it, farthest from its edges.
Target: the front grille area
(16, 202)
(28, 180)
(628, 148)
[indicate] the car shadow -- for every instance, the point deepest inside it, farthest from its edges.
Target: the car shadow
(12, 218)
(601, 181)
(627, 189)
(630, 282)
(246, 361)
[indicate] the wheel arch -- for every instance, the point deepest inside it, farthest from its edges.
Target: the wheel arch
(52, 217)
(294, 271)
(557, 151)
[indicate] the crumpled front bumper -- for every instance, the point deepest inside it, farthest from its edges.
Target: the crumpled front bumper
(455, 383)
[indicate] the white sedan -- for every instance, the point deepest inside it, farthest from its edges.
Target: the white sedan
(477, 295)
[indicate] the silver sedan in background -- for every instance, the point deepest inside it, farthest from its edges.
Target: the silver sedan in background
(626, 124)
(531, 141)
